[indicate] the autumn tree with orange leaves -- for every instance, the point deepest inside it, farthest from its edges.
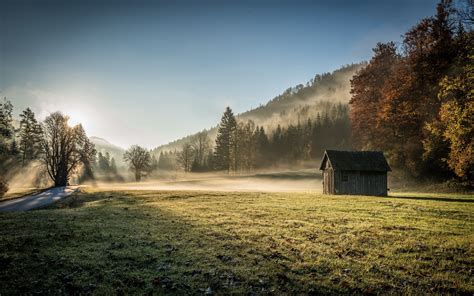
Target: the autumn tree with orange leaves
(413, 102)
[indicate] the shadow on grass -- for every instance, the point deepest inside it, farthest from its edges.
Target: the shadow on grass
(443, 199)
(290, 176)
(144, 243)
(113, 243)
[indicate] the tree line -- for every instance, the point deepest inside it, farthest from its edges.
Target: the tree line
(416, 102)
(242, 146)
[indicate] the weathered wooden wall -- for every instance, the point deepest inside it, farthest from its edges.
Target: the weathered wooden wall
(328, 181)
(358, 182)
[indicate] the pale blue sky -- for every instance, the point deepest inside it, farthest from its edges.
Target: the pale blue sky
(147, 72)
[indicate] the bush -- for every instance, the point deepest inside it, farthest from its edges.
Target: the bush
(3, 187)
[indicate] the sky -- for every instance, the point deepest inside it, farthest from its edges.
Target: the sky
(150, 72)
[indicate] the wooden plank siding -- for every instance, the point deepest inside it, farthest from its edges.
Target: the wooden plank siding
(328, 181)
(360, 183)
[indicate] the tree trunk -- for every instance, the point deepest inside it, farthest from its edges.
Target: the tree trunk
(61, 181)
(138, 175)
(61, 178)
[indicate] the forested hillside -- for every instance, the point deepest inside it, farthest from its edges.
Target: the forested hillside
(295, 105)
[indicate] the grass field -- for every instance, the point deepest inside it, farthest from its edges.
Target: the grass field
(198, 242)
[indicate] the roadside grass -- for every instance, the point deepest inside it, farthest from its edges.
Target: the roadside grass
(177, 242)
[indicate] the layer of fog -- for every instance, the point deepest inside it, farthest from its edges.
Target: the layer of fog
(262, 182)
(27, 177)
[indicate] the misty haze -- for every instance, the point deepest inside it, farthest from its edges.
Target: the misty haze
(234, 147)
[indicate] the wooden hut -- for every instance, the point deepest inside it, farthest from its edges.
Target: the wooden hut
(354, 172)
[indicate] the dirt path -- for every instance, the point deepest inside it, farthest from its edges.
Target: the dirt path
(35, 201)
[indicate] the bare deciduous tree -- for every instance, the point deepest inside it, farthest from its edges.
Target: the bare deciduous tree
(201, 146)
(185, 157)
(64, 148)
(139, 160)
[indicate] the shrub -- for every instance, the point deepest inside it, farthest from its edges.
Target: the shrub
(3, 187)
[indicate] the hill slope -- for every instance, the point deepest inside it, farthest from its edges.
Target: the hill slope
(295, 104)
(103, 146)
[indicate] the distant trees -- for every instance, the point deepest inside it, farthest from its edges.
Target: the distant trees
(3, 187)
(263, 148)
(64, 148)
(167, 161)
(153, 163)
(294, 144)
(103, 162)
(30, 136)
(243, 151)
(8, 144)
(6, 131)
(247, 146)
(201, 146)
(225, 142)
(138, 159)
(185, 157)
(6, 127)
(106, 165)
(416, 104)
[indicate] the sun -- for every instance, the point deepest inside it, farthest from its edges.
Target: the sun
(77, 117)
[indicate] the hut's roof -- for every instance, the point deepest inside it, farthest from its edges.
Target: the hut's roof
(355, 161)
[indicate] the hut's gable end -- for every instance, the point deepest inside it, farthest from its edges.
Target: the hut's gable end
(324, 162)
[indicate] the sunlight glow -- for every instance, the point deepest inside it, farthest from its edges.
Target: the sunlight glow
(77, 117)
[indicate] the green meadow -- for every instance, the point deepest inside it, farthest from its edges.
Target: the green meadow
(200, 242)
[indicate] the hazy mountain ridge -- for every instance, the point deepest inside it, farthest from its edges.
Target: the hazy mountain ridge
(103, 146)
(295, 104)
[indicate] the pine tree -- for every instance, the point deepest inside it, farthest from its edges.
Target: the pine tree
(6, 127)
(210, 163)
(30, 136)
(225, 141)
(113, 166)
(154, 163)
(244, 149)
(263, 148)
(307, 140)
(161, 161)
(107, 160)
(3, 186)
(277, 143)
(14, 151)
(103, 163)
